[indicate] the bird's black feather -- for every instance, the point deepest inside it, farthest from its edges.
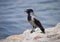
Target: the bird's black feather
(29, 17)
(33, 21)
(39, 24)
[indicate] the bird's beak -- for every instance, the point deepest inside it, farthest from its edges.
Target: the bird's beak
(25, 11)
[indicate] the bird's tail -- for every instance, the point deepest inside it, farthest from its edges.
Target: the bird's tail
(42, 29)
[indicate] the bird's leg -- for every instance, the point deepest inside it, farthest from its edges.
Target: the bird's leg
(33, 26)
(33, 30)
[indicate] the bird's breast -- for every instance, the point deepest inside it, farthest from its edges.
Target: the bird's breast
(32, 23)
(31, 20)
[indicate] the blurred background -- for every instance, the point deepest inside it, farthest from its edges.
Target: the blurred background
(13, 19)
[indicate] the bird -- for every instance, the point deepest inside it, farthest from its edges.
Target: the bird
(32, 19)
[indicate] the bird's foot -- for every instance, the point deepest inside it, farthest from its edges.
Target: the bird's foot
(32, 31)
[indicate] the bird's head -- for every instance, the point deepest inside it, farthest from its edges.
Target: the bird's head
(28, 11)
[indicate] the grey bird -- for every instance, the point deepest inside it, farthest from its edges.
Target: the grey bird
(32, 19)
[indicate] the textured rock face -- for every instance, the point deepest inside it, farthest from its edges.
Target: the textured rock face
(15, 38)
(51, 35)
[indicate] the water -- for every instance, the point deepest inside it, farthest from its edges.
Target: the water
(13, 19)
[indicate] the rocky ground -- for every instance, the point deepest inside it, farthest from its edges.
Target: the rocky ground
(52, 35)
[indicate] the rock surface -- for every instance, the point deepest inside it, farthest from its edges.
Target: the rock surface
(52, 35)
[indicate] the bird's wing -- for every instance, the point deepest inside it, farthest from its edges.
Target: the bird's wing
(37, 22)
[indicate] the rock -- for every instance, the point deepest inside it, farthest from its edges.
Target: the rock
(15, 38)
(57, 27)
(52, 35)
(37, 37)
